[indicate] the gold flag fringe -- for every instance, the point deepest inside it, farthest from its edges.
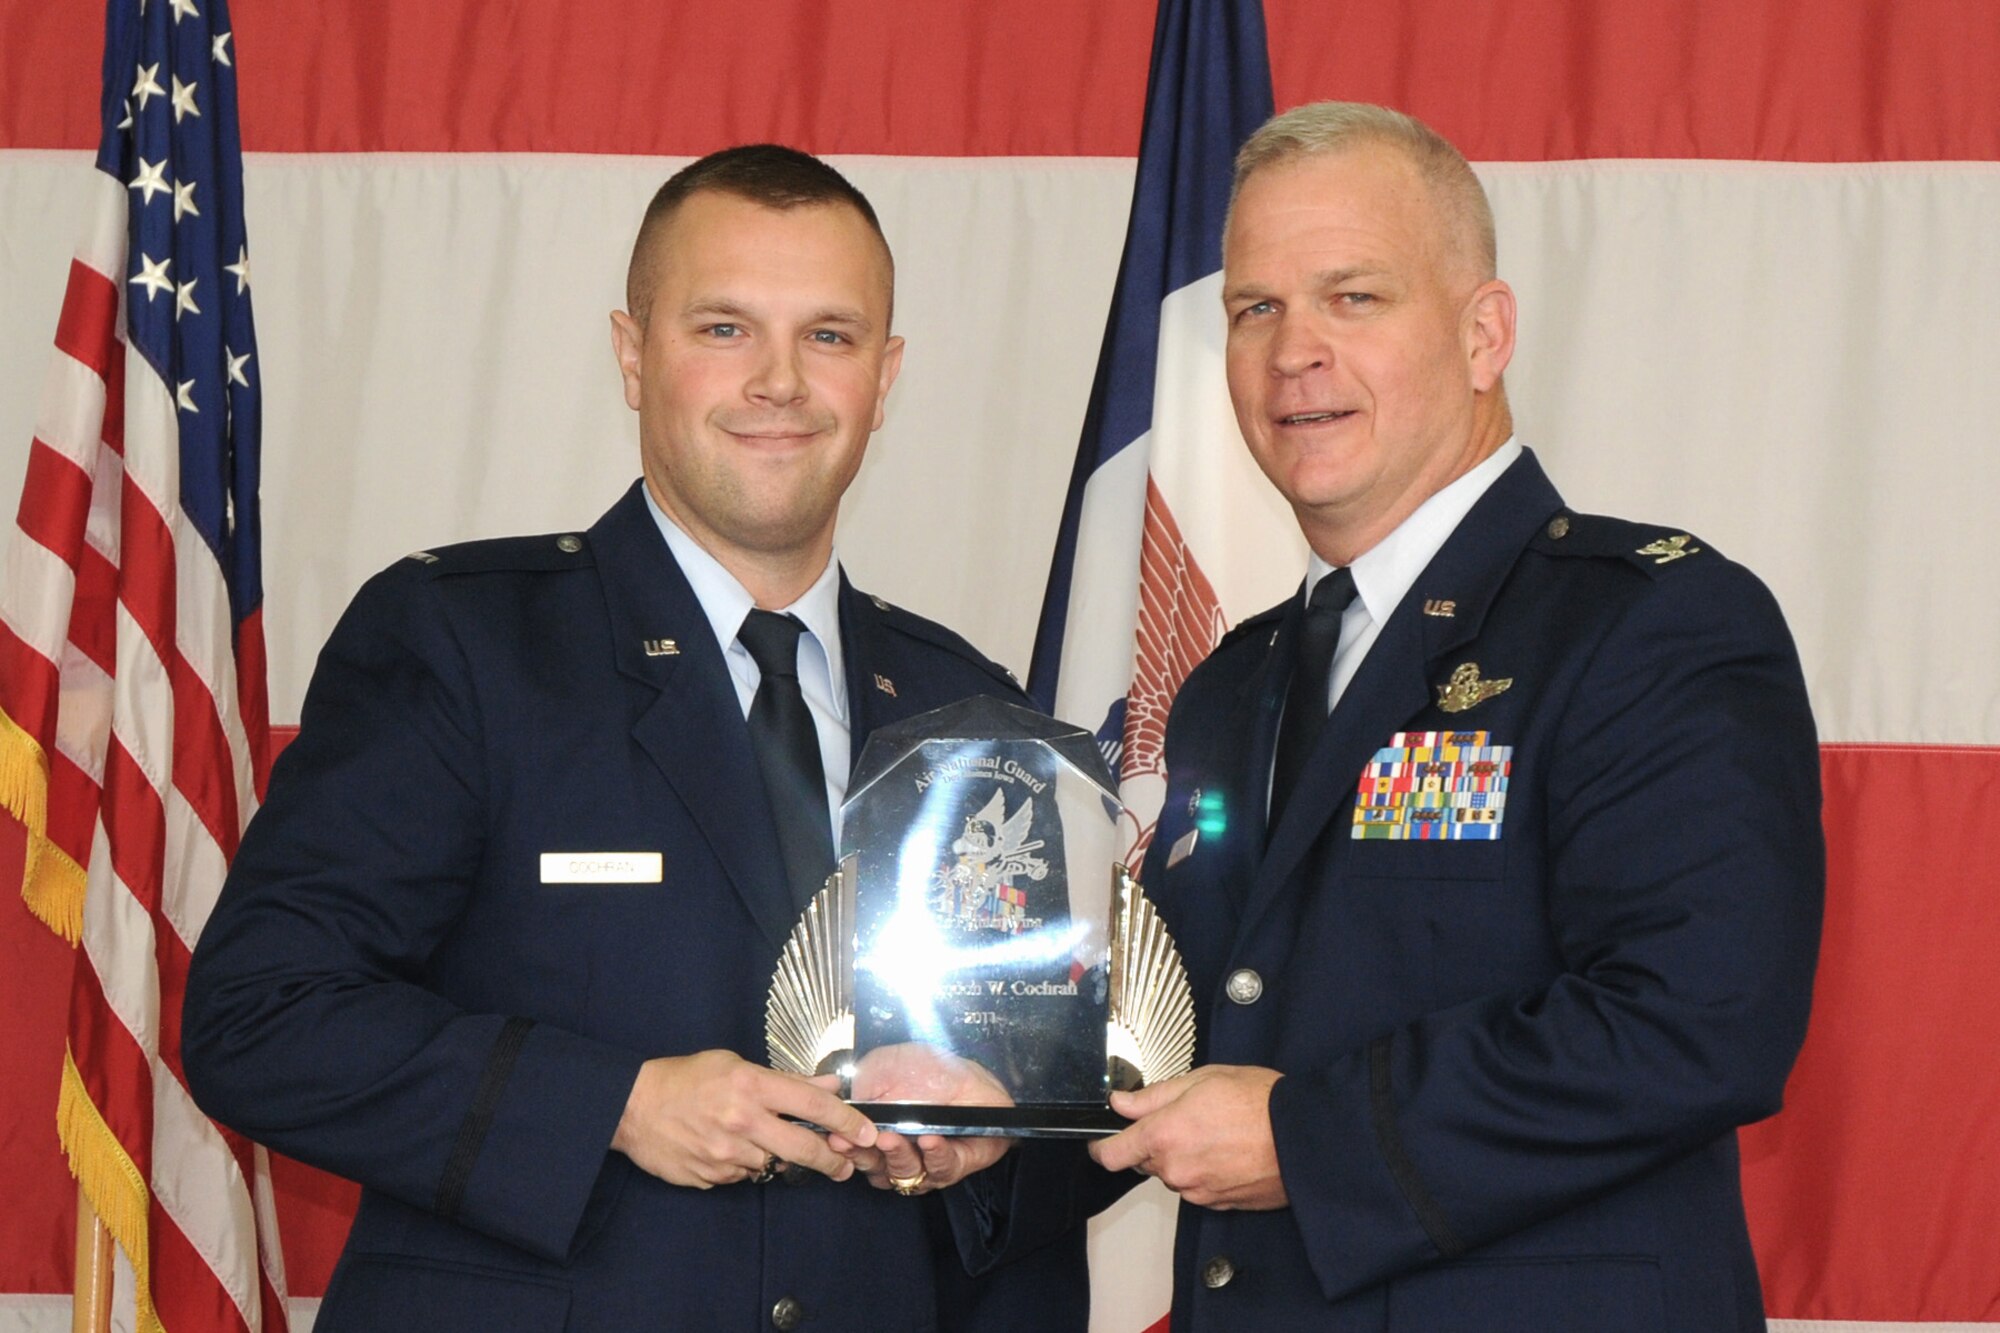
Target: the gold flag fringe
(110, 1182)
(51, 882)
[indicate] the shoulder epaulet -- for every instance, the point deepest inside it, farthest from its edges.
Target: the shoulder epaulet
(1263, 619)
(549, 551)
(929, 631)
(1645, 546)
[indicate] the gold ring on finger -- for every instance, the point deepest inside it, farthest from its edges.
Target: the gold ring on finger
(908, 1185)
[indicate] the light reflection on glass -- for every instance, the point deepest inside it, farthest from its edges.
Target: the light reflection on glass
(975, 933)
(912, 954)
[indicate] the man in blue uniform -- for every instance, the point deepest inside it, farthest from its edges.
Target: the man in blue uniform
(498, 945)
(1494, 853)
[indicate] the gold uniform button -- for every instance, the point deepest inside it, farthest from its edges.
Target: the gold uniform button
(1559, 527)
(1217, 1272)
(568, 544)
(787, 1314)
(1244, 986)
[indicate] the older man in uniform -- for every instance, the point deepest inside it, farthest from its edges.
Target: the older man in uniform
(498, 945)
(1494, 852)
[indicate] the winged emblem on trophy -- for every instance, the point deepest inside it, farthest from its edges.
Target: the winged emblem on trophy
(980, 888)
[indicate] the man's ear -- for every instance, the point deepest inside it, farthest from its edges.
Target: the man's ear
(1489, 333)
(892, 363)
(628, 344)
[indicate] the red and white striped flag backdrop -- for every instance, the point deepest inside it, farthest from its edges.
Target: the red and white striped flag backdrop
(1760, 300)
(133, 725)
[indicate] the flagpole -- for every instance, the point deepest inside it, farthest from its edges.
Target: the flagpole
(90, 1312)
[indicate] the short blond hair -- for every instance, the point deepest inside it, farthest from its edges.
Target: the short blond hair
(1337, 127)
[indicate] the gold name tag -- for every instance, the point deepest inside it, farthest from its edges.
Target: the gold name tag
(601, 868)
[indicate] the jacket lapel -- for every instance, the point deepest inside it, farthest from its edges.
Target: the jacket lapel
(1254, 708)
(1394, 683)
(1251, 711)
(862, 654)
(1260, 698)
(693, 730)
(1390, 686)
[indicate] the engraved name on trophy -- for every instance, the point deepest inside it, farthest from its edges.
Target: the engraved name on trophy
(980, 913)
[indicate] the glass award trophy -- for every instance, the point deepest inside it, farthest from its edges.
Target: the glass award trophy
(981, 914)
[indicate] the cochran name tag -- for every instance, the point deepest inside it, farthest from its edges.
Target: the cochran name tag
(601, 868)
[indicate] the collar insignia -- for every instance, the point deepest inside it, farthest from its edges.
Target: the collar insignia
(1669, 549)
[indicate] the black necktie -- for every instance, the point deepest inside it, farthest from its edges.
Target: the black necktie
(787, 746)
(1305, 695)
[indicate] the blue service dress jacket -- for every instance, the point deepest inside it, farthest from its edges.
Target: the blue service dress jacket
(1512, 1061)
(390, 989)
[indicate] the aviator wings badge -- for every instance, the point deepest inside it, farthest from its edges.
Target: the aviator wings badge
(1465, 689)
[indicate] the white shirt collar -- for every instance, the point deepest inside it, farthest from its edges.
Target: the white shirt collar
(725, 601)
(1384, 572)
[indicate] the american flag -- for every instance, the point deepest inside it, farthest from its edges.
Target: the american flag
(134, 728)
(1168, 533)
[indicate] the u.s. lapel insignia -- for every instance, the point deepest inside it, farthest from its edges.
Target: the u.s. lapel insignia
(1669, 549)
(660, 647)
(884, 684)
(1465, 689)
(1441, 608)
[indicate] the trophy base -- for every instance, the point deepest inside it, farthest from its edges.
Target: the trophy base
(1011, 1122)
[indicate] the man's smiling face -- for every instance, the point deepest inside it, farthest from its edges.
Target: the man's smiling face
(1355, 351)
(761, 371)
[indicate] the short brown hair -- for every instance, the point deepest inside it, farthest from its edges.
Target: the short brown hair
(763, 173)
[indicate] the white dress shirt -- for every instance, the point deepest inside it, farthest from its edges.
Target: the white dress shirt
(1384, 572)
(822, 673)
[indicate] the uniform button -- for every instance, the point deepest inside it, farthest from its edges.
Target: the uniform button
(569, 545)
(787, 1314)
(1559, 527)
(1217, 1272)
(1245, 987)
